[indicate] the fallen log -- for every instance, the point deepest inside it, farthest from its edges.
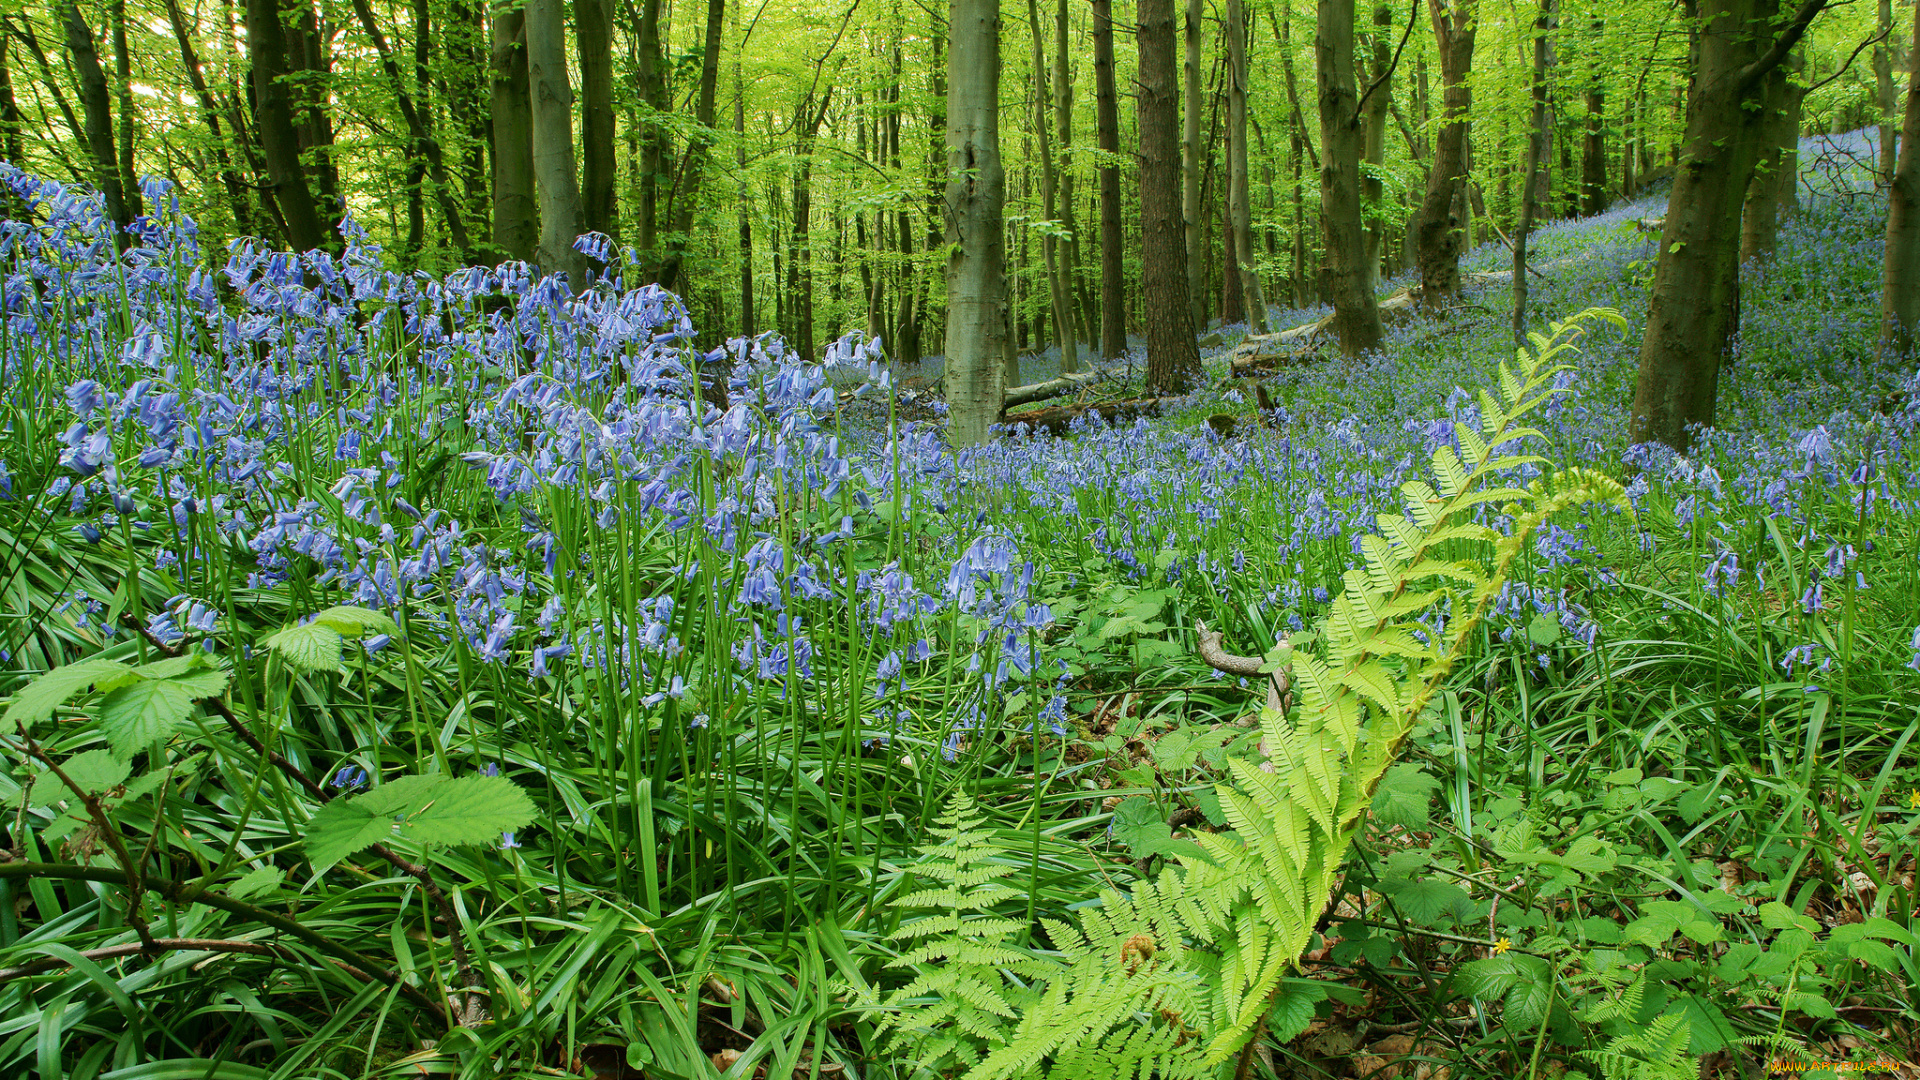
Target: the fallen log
(1056, 419)
(1040, 391)
(1287, 344)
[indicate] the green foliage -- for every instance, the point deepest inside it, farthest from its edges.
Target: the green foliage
(431, 809)
(1176, 976)
(316, 645)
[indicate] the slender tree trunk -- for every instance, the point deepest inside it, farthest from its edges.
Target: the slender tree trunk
(686, 199)
(1539, 151)
(553, 165)
(1356, 313)
(748, 326)
(1593, 166)
(11, 135)
(1239, 200)
(96, 103)
(307, 45)
(1374, 120)
(1190, 166)
(800, 264)
(1060, 290)
(1695, 292)
(651, 73)
(516, 215)
(417, 163)
(1900, 276)
(1070, 250)
(976, 278)
(1775, 173)
(593, 33)
(1113, 304)
(279, 142)
(123, 91)
(1441, 228)
(1173, 355)
(428, 159)
(1884, 97)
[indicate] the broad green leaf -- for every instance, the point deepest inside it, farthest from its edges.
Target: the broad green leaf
(36, 701)
(343, 827)
(1543, 630)
(145, 712)
(350, 621)
(1293, 1010)
(1775, 915)
(1403, 796)
(471, 810)
(95, 771)
(257, 882)
(309, 648)
(1426, 901)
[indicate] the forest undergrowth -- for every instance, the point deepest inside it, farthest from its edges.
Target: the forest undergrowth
(416, 675)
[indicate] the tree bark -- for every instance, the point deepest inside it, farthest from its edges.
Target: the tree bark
(1695, 293)
(593, 33)
(555, 177)
(1356, 321)
(1060, 290)
(1063, 117)
(1883, 96)
(279, 142)
(1173, 354)
(1374, 115)
(650, 69)
(686, 196)
(1593, 165)
(11, 134)
(1539, 152)
(1113, 303)
(1900, 274)
(123, 92)
(745, 214)
(1440, 230)
(976, 187)
(1776, 171)
(516, 218)
(96, 104)
(1190, 166)
(1239, 199)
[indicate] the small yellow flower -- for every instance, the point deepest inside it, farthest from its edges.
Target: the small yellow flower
(1913, 800)
(1502, 945)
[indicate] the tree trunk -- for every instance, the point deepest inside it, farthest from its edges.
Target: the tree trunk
(1113, 304)
(745, 218)
(96, 104)
(1593, 165)
(1695, 291)
(1539, 152)
(593, 31)
(1070, 248)
(1239, 199)
(650, 70)
(553, 166)
(686, 197)
(279, 142)
(417, 165)
(1775, 173)
(1440, 230)
(976, 273)
(1356, 313)
(1173, 354)
(11, 135)
(123, 91)
(516, 218)
(1883, 94)
(1374, 116)
(1190, 165)
(1059, 288)
(1900, 275)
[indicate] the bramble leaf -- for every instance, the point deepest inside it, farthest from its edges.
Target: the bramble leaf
(310, 648)
(36, 701)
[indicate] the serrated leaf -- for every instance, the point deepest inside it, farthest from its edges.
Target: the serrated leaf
(1775, 915)
(1543, 630)
(1425, 901)
(471, 810)
(95, 771)
(36, 701)
(1403, 796)
(309, 648)
(145, 712)
(1293, 1010)
(341, 828)
(350, 621)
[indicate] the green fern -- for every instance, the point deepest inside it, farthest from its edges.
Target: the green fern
(970, 981)
(1177, 977)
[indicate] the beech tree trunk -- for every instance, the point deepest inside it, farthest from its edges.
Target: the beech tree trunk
(428, 159)
(1883, 94)
(1113, 303)
(976, 193)
(1440, 231)
(1539, 152)
(686, 196)
(650, 71)
(1356, 313)
(593, 32)
(1593, 165)
(1900, 275)
(1239, 198)
(1695, 293)
(1060, 290)
(96, 104)
(123, 93)
(1192, 211)
(1375, 110)
(516, 216)
(1173, 352)
(1063, 116)
(273, 118)
(1776, 171)
(553, 164)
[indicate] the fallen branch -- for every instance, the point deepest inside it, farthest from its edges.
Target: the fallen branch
(1057, 419)
(1040, 391)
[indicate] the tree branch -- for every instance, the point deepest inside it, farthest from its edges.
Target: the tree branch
(1782, 45)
